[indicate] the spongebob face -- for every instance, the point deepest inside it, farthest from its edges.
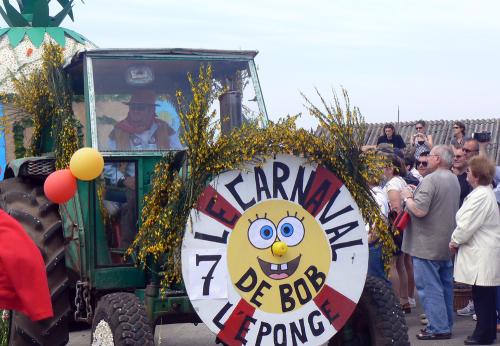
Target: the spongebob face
(272, 247)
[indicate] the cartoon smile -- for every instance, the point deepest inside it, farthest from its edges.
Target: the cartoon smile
(279, 271)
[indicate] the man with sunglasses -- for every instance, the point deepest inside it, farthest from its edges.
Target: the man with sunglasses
(432, 207)
(472, 148)
(420, 166)
(460, 170)
(141, 129)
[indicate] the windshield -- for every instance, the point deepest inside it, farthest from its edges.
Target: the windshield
(135, 106)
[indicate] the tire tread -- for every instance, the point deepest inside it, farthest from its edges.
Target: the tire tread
(126, 316)
(24, 200)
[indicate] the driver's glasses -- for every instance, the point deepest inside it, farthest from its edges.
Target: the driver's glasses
(141, 107)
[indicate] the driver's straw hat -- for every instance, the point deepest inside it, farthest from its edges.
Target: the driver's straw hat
(143, 96)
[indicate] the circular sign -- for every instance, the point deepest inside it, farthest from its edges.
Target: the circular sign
(275, 254)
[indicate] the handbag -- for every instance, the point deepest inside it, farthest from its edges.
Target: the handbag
(401, 220)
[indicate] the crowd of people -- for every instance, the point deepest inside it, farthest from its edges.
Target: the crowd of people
(452, 195)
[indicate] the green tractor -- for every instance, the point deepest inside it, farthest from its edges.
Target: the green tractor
(126, 100)
(84, 242)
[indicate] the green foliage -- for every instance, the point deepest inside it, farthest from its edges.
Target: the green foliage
(4, 330)
(44, 98)
(18, 131)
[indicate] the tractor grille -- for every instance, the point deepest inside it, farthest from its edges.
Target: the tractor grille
(38, 168)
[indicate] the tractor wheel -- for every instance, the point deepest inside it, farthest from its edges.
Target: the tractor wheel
(24, 200)
(378, 319)
(120, 320)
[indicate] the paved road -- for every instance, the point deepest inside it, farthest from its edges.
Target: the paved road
(190, 335)
(184, 334)
(462, 328)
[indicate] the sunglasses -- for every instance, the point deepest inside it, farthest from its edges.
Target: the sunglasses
(422, 163)
(140, 106)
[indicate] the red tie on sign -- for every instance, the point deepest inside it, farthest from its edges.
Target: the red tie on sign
(23, 279)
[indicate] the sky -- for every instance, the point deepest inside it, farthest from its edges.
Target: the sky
(435, 59)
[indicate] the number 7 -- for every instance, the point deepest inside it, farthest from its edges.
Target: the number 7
(209, 277)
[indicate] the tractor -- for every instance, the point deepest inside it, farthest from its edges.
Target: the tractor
(83, 242)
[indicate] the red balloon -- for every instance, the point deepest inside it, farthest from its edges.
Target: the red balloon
(60, 186)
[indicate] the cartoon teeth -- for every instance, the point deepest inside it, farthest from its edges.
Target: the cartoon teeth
(278, 271)
(276, 267)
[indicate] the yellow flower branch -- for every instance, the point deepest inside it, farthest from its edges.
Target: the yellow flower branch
(209, 153)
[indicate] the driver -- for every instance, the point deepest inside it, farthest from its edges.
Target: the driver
(141, 129)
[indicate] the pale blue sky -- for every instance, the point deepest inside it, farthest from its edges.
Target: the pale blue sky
(436, 59)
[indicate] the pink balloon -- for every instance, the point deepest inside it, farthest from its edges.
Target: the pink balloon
(60, 186)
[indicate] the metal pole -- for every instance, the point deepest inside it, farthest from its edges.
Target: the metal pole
(397, 127)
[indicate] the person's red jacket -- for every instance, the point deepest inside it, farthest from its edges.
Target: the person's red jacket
(23, 279)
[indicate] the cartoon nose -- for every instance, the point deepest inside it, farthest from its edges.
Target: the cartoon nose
(279, 248)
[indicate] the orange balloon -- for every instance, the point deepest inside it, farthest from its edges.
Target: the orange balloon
(60, 186)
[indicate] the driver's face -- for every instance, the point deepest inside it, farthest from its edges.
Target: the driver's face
(139, 112)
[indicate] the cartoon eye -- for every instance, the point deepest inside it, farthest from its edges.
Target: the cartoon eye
(262, 233)
(266, 232)
(291, 230)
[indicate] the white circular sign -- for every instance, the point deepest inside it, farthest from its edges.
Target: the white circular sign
(243, 290)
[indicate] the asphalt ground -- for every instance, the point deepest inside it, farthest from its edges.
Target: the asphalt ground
(463, 327)
(187, 334)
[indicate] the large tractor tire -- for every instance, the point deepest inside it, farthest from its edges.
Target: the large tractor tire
(378, 319)
(120, 320)
(24, 200)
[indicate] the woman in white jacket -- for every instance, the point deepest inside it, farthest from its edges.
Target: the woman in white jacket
(477, 239)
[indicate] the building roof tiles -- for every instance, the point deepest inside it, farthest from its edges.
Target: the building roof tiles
(442, 132)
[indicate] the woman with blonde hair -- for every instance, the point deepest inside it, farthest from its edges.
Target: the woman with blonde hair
(477, 241)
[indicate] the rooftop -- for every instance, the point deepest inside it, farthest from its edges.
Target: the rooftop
(442, 132)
